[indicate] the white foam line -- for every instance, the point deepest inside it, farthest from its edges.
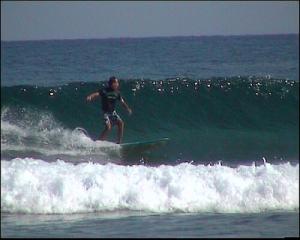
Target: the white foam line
(35, 186)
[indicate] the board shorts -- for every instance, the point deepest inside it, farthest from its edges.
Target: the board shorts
(111, 118)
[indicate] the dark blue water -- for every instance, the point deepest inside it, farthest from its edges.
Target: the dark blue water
(57, 62)
(229, 104)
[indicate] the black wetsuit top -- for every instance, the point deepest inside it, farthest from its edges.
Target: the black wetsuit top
(108, 99)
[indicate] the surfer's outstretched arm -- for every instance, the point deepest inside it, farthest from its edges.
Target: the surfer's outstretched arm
(124, 104)
(92, 96)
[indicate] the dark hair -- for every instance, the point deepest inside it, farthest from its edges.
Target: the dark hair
(111, 80)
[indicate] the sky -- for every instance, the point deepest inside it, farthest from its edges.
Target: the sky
(75, 20)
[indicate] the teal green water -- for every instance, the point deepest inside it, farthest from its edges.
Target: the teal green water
(235, 119)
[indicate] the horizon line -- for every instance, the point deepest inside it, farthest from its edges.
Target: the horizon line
(171, 36)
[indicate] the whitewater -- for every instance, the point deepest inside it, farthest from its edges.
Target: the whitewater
(39, 187)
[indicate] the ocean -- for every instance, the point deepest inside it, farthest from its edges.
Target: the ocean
(228, 104)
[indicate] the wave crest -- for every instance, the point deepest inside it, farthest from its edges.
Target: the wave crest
(35, 186)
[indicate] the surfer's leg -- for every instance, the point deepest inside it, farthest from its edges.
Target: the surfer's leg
(105, 131)
(120, 124)
(107, 127)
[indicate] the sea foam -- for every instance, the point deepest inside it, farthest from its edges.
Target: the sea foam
(42, 135)
(39, 187)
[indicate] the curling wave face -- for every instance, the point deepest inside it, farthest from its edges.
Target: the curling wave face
(237, 118)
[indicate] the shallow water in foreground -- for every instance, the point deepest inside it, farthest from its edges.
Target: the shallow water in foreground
(136, 224)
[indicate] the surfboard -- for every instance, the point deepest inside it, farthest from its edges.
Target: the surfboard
(133, 148)
(155, 142)
(139, 148)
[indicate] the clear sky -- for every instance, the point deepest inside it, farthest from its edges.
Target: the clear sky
(68, 20)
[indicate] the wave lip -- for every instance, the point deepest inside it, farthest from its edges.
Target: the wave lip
(35, 186)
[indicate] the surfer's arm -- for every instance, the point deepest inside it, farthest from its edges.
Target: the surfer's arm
(92, 96)
(124, 104)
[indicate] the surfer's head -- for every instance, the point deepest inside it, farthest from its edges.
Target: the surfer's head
(113, 83)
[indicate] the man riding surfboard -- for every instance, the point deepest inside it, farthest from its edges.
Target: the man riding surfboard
(109, 97)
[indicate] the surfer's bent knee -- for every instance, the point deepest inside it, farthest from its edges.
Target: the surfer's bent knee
(108, 126)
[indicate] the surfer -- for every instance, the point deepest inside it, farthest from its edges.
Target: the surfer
(109, 97)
